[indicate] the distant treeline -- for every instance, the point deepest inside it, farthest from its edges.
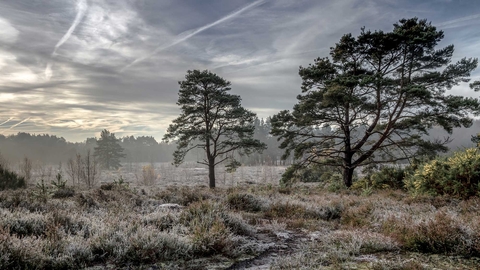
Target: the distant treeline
(51, 149)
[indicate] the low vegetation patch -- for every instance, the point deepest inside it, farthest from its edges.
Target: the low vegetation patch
(10, 180)
(196, 228)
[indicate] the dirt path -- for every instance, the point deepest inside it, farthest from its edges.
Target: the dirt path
(283, 243)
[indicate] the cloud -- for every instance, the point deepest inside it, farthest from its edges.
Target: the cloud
(81, 9)
(8, 33)
(462, 21)
(15, 125)
(188, 34)
(6, 121)
(258, 47)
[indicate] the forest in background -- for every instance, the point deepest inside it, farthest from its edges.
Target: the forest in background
(50, 149)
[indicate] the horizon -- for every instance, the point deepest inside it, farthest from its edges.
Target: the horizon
(72, 69)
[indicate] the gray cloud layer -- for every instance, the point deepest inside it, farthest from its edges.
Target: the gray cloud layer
(75, 67)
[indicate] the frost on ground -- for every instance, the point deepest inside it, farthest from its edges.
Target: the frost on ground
(176, 222)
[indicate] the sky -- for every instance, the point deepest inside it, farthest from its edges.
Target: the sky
(73, 68)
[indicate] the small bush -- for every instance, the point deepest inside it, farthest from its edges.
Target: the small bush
(148, 175)
(213, 228)
(311, 173)
(31, 225)
(458, 175)
(10, 180)
(297, 211)
(385, 178)
(335, 183)
(146, 246)
(107, 186)
(244, 202)
(441, 235)
(65, 192)
(315, 173)
(183, 196)
(357, 216)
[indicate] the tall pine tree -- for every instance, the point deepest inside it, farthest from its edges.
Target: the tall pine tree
(213, 120)
(108, 150)
(380, 93)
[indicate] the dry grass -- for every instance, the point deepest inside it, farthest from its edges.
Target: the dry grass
(185, 227)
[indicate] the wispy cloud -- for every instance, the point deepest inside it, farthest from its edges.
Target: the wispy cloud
(17, 124)
(4, 122)
(186, 35)
(81, 7)
(459, 21)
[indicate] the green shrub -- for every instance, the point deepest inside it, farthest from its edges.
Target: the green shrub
(315, 173)
(335, 183)
(458, 175)
(60, 189)
(308, 174)
(42, 192)
(385, 178)
(10, 180)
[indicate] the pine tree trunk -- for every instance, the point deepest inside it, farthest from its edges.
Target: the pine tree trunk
(211, 174)
(348, 176)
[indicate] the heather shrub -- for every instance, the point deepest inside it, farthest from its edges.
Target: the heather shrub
(357, 216)
(293, 210)
(244, 202)
(28, 225)
(147, 246)
(458, 175)
(213, 228)
(183, 196)
(65, 192)
(10, 180)
(441, 235)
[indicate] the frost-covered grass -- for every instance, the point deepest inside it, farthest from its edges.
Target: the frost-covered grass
(181, 227)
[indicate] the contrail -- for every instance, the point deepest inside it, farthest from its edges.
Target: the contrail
(8, 120)
(19, 123)
(184, 37)
(453, 23)
(81, 8)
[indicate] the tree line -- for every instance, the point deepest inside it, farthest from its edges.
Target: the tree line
(51, 149)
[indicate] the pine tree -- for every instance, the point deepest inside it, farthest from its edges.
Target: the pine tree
(380, 93)
(108, 150)
(213, 120)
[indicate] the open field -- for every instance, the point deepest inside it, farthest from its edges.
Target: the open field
(246, 226)
(164, 174)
